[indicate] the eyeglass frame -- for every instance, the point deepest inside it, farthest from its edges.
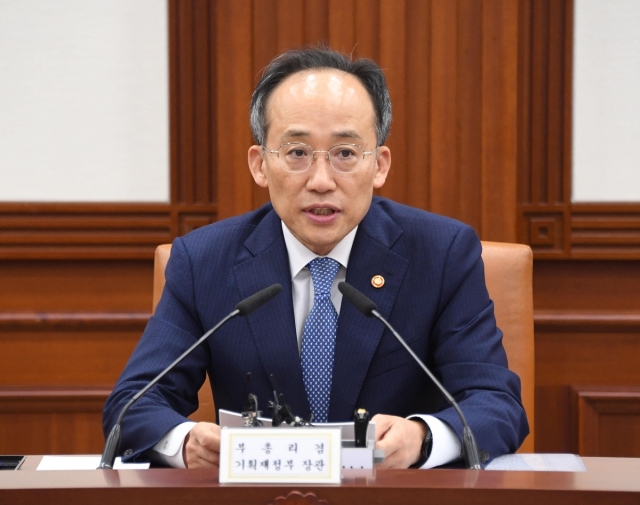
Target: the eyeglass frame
(314, 158)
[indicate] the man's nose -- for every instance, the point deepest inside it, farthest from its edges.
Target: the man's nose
(321, 173)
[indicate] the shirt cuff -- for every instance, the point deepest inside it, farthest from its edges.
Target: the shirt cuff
(169, 449)
(445, 445)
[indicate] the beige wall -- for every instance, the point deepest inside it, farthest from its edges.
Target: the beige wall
(84, 100)
(606, 101)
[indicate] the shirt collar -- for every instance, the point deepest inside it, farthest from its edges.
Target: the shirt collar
(300, 255)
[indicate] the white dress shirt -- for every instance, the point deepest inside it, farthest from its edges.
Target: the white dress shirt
(445, 446)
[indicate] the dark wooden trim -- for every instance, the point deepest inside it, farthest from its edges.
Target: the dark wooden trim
(548, 221)
(82, 231)
(33, 231)
(605, 231)
(585, 322)
(83, 321)
(567, 43)
(593, 403)
(52, 400)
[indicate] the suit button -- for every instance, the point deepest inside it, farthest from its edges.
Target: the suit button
(484, 457)
(128, 452)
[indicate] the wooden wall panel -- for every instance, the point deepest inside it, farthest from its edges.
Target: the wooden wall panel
(499, 121)
(316, 21)
(193, 115)
(587, 287)
(454, 153)
(67, 328)
(64, 353)
(75, 286)
(42, 421)
(587, 321)
(418, 134)
(586, 294)
(444, 168)
(234, 75)
(547, 219)
(473, 68)
(605, 231)
(608, 422)
(393, 59)
(35, 231)
(584, 354)
(545, 122)
(453, 89)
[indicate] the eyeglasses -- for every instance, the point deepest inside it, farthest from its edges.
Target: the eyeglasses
(297, 157)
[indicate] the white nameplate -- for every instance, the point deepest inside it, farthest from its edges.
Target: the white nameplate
(280, 455)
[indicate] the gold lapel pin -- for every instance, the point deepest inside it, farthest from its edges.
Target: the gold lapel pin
(377, 281)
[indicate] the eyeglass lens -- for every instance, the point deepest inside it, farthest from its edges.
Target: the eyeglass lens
(343, 158)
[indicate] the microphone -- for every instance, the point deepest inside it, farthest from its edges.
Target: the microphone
(369, 308)
(257, 300)
(243, 308)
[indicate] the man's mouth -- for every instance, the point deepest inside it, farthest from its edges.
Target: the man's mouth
(322, 211)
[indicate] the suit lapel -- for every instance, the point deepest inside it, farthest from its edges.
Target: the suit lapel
(358, 336)
(273, 326)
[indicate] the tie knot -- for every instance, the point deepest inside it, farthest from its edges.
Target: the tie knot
(323, 272)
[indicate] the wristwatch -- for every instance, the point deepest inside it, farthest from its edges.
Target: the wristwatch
(427, 444)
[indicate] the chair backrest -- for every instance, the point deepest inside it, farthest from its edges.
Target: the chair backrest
(508, 271)
(508, 274)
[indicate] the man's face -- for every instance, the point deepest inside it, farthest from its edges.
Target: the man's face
(320, 108)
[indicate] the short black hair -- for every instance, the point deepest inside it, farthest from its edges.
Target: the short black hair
(298, 60)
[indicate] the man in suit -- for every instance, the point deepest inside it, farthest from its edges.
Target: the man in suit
(320, 121)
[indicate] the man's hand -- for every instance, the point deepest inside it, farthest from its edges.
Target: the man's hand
(401, 440)
(201, 447)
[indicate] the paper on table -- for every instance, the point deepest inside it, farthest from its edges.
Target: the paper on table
(84, 463)
(538, 463)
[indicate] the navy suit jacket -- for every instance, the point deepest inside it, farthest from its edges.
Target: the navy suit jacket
(434, 295)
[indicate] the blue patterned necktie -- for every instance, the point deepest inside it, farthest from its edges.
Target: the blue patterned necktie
(319, 338)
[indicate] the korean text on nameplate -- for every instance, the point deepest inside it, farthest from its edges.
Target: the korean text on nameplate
(301, 455)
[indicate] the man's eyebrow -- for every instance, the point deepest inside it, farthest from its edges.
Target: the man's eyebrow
(343, 134)
(295, 133)
(350, 134)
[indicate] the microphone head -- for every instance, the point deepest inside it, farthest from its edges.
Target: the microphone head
(257, 300)
(361, 302)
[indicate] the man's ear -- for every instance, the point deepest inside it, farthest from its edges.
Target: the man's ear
(383, 164)
(257, 166)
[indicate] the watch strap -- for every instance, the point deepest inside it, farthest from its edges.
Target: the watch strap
(427, 444)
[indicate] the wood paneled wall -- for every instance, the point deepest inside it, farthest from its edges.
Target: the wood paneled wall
(67, 328)
(555, 227)
(587, 268)
(482, 119)
(452, 68)
(587, 347)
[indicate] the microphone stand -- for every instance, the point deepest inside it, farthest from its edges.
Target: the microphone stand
(469, 446)
(243, 308)
(113, 440)
(369, 308)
